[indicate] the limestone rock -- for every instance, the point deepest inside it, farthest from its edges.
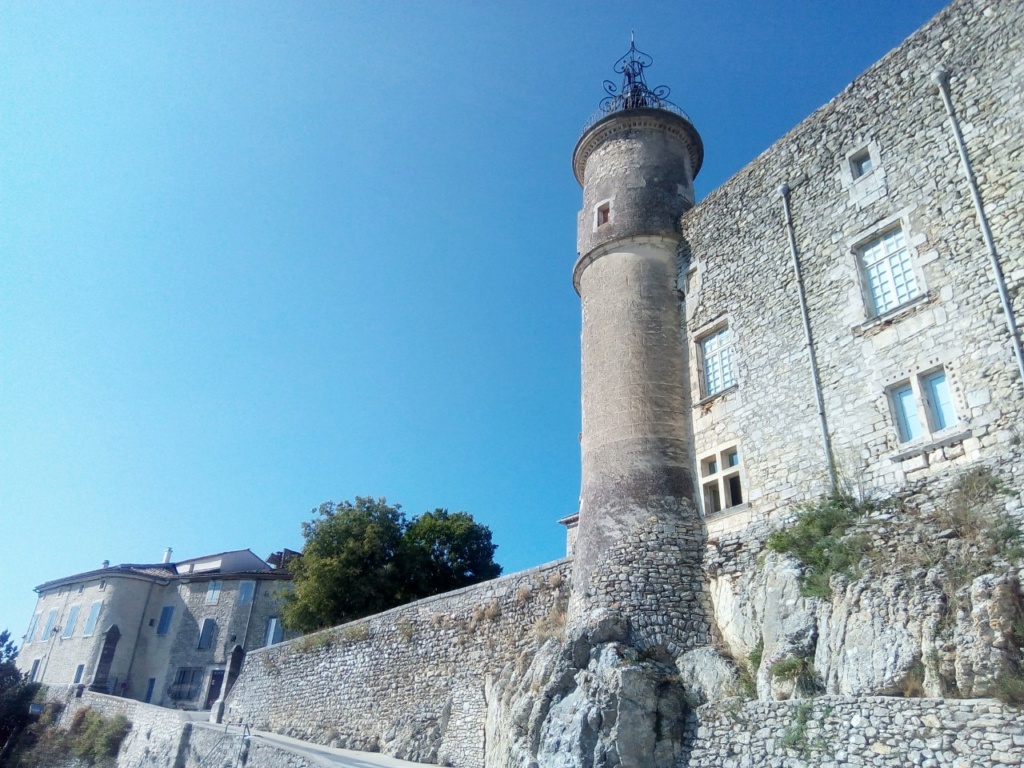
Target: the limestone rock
(984, 633)
(417, 736)
(581, 704)
(870, 634)
(707, 676)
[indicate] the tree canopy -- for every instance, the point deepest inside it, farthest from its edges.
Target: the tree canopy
(365, 557)
(15, 695)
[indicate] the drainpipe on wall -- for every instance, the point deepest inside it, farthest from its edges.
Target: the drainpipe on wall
(940, 78)
(784, 191)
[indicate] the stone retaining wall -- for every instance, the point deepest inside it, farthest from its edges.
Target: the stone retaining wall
(158, 736)
(409, 682)
(840, 732)
(212, 746)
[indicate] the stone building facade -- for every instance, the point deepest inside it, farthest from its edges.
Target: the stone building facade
(168, 633)
(916, 368)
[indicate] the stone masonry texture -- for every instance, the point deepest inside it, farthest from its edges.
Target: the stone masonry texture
(737, 270)
(639, 539)
(408, 682)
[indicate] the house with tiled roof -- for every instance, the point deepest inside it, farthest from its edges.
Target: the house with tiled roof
(169, 633)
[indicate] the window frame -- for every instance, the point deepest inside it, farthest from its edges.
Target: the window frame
(51, 620)
(857, 161)
(724, 352)
(92, 619)
(187, 683)
(162, 628)
(933, 420)
(715, 475)
(207, 634)
(69, 625)
(32, 625)
(213, 590)
(274, 632)
(885, 277)
(246, 590)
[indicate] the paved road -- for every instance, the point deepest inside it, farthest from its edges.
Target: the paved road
(347, 758)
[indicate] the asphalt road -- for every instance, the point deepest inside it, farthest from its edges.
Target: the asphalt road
(324, 755)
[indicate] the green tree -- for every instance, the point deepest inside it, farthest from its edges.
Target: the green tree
(16, 694)
(446, 551)
(349, 564)
(365, 557)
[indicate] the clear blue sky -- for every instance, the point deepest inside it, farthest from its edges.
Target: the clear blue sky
(255, 256)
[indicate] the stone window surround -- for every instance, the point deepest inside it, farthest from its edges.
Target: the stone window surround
(867, 148)
(720, 476)
(701, 333)
(929, 441)
(856, 244)
(868, 187)
(605, 204)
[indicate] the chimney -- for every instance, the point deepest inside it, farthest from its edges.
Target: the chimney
(106, 564)
(167, 555)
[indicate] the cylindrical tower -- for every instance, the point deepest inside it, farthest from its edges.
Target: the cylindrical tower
(640, 539)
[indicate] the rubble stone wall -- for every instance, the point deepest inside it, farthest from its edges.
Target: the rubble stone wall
(409, 682)
(870, 731)
(158, 736)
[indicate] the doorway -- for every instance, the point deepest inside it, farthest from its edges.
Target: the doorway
(216, 680)
(99, 680)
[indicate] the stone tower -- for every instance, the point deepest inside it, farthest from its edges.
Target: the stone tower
(639, 541)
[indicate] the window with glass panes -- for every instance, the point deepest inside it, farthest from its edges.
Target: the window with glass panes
(922, 406)
(888, 272)
(716, 359)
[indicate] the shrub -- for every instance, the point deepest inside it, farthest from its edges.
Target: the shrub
(552, 625)
(795, 736)
(405, 628)
(313, 642)
(799, 670)
(1010, 687)
(355, 633)
(820, 539)
(493, 610)
(755, 655)
(95, 738)
(912, 685)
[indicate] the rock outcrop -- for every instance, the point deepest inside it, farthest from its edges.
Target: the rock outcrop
(590, 701)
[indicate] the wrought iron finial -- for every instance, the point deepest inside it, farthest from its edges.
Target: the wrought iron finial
(634, 93)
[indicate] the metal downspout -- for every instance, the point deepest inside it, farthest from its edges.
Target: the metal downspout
(940, 78)
(809, 340)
